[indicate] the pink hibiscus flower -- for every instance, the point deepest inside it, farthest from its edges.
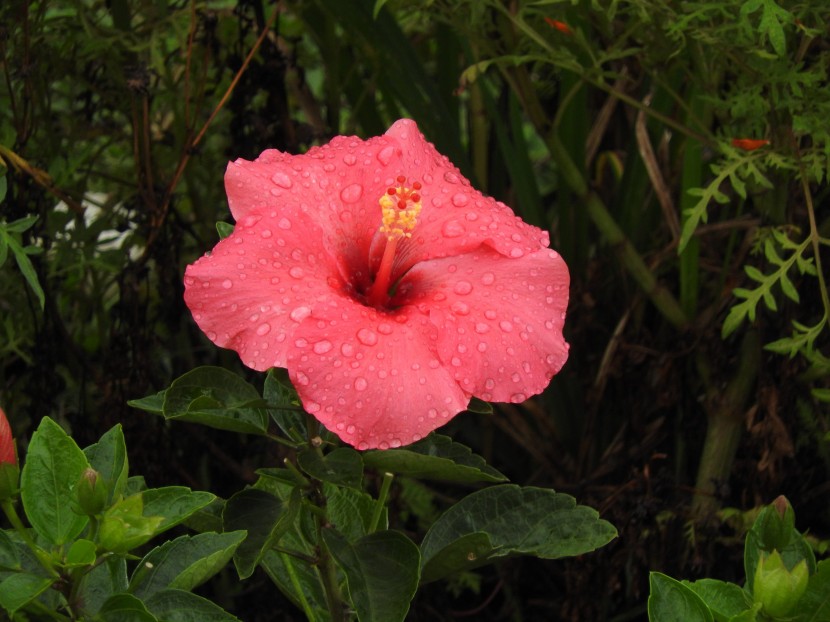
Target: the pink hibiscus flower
(390, 289)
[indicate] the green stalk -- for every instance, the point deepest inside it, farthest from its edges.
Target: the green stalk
(725, 424)
(381, 502)
(665, 302)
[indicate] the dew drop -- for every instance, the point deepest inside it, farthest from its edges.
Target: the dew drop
(263, 329)
(462, 288)
(506, 326)
(321, 347)
(516, 252)
(296, 272)
(384, 328)
(349, 159)
(347, 349)
(471, 216)
(488, 278)
(302, 378)
(265, 233)
(384, 156)
(284, 223)
(227, 283)
(299, 314)
(490, 314)
(482, 328)
(518, 397)
(452, 229)
(351, 193)
(482, 347)
(459, 199)
(460, 308)
(450, 177)
(361, 384)
(350, 429)
(367, 337)
(281, 179)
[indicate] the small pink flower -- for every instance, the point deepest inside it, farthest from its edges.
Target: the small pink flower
(390, 289)
(8, 455)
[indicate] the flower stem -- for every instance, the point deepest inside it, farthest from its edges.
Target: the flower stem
(381, 502)
(379, 291)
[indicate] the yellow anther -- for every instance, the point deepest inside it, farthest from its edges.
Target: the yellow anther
(400, 207)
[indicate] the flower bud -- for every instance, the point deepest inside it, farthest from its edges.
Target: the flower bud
(92, 492)
(9, 469)
(776, 588)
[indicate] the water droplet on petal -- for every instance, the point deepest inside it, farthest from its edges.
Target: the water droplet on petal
(460, 308)
(299, 314)
(321, 347)
(284, 223)
(296, 272)
(361, 384)
(384, 156)
(462, 288)
(488, 278)
(506, 326)
(227, 283)
(482, 328)
(459, 199)
(367, 337)
(516, 252)
(281, 179)
(450, 177)
(482, 347)
(302, 378)
(452, 229)
(349, 159)
(351, 193)
(263, 329)
(265, 233)
(384, 328)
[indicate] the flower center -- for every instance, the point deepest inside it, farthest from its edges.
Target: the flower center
(400, 207)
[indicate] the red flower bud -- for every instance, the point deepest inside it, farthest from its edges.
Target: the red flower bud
(8, 455)
(560, 26)
(749, 144)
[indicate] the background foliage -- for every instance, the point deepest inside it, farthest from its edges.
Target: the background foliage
(678, 152)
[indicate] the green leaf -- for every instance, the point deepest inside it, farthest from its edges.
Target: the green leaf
(21, 224)
(152, 403)
(381, 571)
(671, 601)
(81, 553)
(436, 457)
(174, 605)
(342, 466)
(217, 398)
(224, 229)
(109, 457)
(814, 605)
(283, 404)
(264, 517)
(21, 588)
(100, 583)
(124, 525)
(724, 600)
(480, 407)
(174, 504)
(125, 608)
(518, 521)
(184, 563)
(9, 559)
(54, 464)
(299, 582)
(350, 511)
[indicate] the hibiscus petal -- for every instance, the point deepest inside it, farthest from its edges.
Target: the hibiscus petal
(259, 284)
(500, 320)
(455, 217)
(372, 378)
